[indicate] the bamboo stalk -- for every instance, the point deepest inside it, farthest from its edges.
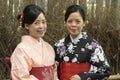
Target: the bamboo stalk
(114, 77)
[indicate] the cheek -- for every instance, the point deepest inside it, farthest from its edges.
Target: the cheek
(32, 29)
(46, 26)
(67, 25)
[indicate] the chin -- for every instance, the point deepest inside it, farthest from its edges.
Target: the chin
(42, 35)
(73, 33)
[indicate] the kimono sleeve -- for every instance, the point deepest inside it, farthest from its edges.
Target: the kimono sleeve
(21, 65)
(100, 69)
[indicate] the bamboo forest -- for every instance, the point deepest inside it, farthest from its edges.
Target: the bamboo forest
(102, 23)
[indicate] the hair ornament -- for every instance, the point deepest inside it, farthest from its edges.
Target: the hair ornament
(64, 11)
(20, 19)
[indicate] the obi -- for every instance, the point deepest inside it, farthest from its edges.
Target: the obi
(69, 69)
(43, 73)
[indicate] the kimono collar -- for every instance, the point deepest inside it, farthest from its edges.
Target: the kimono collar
(29, 38)
(76, 39)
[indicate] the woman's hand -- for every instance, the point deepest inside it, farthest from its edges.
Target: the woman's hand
(75, 77)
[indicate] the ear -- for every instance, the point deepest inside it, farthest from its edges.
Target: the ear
(26, 26)
(84, 24)
(65, 23)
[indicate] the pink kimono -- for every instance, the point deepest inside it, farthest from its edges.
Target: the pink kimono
(33, 60)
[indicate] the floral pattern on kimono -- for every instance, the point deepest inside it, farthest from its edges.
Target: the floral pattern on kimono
(83, 49)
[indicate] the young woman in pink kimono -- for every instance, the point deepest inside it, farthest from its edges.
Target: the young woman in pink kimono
(33, 58)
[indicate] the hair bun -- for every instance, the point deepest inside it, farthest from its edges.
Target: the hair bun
(20, 17)
(20, 20)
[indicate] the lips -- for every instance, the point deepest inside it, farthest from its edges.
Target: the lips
(73, 30)
(41, 31)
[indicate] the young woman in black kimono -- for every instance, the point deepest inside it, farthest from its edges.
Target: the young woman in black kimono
(78, 56)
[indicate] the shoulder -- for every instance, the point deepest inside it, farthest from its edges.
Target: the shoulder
(22, 47)
(18, 51)
(47, 45)
(60, 42)
(90, 41)
(87, 37)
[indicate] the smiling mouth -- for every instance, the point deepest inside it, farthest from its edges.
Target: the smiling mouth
(40, 31)
(73, 30)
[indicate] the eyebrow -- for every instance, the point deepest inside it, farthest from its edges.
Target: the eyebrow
(74, 19)
(41, 20)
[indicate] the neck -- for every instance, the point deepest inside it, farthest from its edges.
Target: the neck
(74, 36)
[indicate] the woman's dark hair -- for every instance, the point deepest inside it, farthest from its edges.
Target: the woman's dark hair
(30, 13)
(74, 8)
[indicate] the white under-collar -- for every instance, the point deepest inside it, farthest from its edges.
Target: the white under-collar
(40, 41)
(76, 39)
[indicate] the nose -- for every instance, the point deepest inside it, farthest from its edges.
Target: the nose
(73, 23)
(41, 25)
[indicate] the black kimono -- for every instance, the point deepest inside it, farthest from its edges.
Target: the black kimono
(81, 50)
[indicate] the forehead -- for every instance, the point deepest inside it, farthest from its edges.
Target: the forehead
(75, 15)
(41, 16)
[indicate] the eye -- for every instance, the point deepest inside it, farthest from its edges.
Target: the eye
(44, 21)
(37, 23)
(69, 21)
(78, 21)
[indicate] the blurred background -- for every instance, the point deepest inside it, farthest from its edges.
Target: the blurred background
(102, 23)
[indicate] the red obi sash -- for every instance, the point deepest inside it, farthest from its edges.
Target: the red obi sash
(7, 59)
(43, 73)
(69, 69)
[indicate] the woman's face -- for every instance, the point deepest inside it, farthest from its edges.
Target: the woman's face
(75, 24)
(38, 28)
